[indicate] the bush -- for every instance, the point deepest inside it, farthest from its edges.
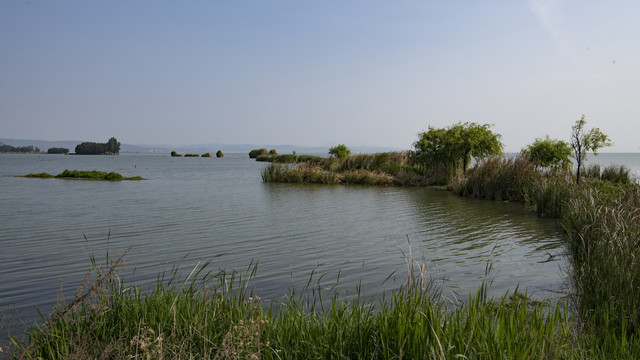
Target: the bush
(257, 152)
(113, 176)
(219, 154)
(340, 151)
(207, 154)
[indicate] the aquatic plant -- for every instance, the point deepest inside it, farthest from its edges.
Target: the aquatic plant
(214, 315)
(602, 220)
(42, 175)
(85, 175)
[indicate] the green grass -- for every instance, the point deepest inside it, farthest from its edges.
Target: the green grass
(360, 169)
(85, 175)
(213, 316)
(42, 175)
(601, 216)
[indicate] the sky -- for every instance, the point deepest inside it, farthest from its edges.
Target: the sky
(360, 73)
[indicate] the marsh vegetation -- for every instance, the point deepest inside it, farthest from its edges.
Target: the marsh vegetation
(214, 315)
(84, 175)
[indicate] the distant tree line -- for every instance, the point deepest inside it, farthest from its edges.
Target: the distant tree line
(19, 149)
(111, 147)
(58, 150)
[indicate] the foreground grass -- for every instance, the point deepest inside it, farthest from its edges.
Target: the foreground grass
(214, 317)
(84, 175)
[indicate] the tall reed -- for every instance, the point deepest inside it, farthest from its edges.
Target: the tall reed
(214, 316)
(602, 219)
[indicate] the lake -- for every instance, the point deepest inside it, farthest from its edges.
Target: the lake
(218, 210)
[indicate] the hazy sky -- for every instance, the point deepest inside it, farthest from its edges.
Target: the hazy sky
(317, 73)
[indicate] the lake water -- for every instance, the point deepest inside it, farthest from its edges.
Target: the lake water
(201, 209)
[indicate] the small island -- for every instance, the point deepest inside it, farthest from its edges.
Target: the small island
(84, 175)
(111, 147)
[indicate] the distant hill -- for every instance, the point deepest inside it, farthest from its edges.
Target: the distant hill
(197, 148)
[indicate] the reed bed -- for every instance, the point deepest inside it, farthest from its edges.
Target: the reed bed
(602, 219)
(360, 169)
(214, 316)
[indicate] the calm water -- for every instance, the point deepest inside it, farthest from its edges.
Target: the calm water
(193, 209)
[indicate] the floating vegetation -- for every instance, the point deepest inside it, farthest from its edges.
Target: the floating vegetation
(84, 175)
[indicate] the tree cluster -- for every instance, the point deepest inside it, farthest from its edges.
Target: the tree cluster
(19, 149)
(555, 154)
(57, 150)
(454, 147)
(111, 147)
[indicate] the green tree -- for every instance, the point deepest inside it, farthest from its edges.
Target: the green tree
(457, 145)
(583, 141)
(340, 151)
(113, 146)
(549, 153)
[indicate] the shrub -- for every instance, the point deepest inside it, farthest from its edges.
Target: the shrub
(113, 177)
(257, 152)
(207, 154)
(219, 154)
(340, 151)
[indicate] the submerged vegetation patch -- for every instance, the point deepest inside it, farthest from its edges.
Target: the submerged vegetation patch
(84, 175)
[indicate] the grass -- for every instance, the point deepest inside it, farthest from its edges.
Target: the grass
(84, 175)
(360, 169)
(214, 316)
(602, 219)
